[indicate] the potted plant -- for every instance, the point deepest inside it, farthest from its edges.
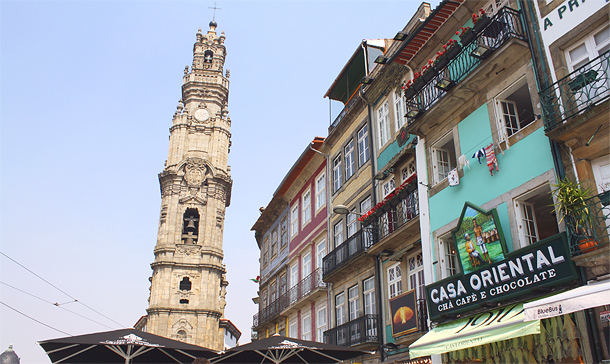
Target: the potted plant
(467, 35)
(428, 72)
(480, 21)
(409, 90)
(572, 206)
(452, 49)
(418, 81)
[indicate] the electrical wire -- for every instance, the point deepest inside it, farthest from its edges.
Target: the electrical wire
(57, 304)
(60, 290)
(33, 319)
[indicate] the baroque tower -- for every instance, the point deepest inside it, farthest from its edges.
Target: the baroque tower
(188, 284)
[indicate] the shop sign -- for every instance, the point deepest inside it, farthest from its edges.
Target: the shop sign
(404, 313)
(490, 274)
(604, 316)
(422, 360)
(567, 16)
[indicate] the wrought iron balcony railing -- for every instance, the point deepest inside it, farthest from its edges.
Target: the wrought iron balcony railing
(290, 298)
(345, 110)
(353, 246)
(587, 236)
(362, 330)
(398, 213)
(587, 86)
(506, 24)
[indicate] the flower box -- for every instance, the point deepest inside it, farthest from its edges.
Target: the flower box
(467, 37)
(441, 62)
(410, 92)
(453, 52)
(481, 23)
(418, 83)
(429, 74)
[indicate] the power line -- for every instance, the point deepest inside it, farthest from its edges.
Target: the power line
(33, 319)
(60, 290)
(57, 304)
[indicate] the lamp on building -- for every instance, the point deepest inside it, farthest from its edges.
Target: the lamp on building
(381, 59)
(400, 36)
(482, 51)
(343, 210)
(445, 84)
(367, 80)
(390, 346)
(386, 253)
(415, 110)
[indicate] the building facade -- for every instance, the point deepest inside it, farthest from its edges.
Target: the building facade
(188, 284)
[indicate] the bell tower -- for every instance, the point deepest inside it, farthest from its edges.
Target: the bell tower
(188, 284)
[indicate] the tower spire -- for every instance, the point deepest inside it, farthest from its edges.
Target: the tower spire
(215, 8)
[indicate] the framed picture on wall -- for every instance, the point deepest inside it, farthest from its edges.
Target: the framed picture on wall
(404, 313)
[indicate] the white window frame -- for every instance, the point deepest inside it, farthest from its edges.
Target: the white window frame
(400, 109)
(441, 168)
(321, 320)
(593, 50)
(363, 145)
(294, 220)
(509, 123)
(320, 253)
(306, 207)
(353, 298)
(306, 326)
(383, 123)
(368, 295)
(527, 224)
(338, 233)
(340, 309)
(352, 226)
(320, 186)
(337, 182)
(449, 263)
(293, 329)
(394, 276)
(415, 274)
(388, 187)
(366, 205)
(306, 264)
(409, 170)
(350, 162)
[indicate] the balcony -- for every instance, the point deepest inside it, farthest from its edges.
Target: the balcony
(290, 299)
(590, 246)
(576, 93)
(504, 26)
(353, 247)
(356, 332)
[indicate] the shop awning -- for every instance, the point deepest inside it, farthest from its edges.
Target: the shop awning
(497, 325)
(578, 299)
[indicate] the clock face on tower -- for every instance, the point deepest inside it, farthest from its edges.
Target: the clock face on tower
(202, 114)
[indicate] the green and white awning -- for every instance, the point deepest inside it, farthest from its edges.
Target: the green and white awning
(497, 325)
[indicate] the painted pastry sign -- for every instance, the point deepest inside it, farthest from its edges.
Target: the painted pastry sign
(490, 274)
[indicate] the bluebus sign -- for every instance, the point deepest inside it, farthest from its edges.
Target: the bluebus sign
(543, 264)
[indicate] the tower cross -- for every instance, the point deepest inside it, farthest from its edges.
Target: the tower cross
(215, 8)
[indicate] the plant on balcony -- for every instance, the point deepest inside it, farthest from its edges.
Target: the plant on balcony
(467, 35)
(398, 194)
(480, 21)
(572, 206)
(428, 72)
(412, 86)
(451, 49)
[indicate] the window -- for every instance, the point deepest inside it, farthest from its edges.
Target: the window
(415, 265)
(368, 286)
(354, 302)
(350, 163)
(588, 48)
(184, 301)
(351, 224)
(383, 122)
(283, 233)
(283, 283)
(306, 326)
(274, 243)
(340, 308)
(400, 107)
(185, 284)
(388, 187)
(338, 232)
(394, 280)
(449, 263)
(443, 158)
(320, 324)
(294, 280)
(265, 251)
(337, 173)
(365, 205)
(320, 191)
(363, 145)
(293, 329)
(294, 220)
(306, 262)
(534, 216)
(408, 171)
(514, 109)
(320, 253)
(494, 5)
(306, 207)
(273, 291)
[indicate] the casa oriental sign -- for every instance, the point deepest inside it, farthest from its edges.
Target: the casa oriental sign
(497, 280)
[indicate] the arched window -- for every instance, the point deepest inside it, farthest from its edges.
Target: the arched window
(190, 227)
(185, 284)
(181, 335)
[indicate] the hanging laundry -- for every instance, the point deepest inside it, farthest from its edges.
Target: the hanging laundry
(479, 154)
(491, 159)
(463, 161)
(453, 177)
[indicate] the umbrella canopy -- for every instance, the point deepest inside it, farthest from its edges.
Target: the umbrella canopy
(280, 349)
(122, 346)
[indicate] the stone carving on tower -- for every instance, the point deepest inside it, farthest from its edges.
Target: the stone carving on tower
(188, 284)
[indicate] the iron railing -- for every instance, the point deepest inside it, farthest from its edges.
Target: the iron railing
(345, 110)
(587, 86)
(362, 330)
(504, 25)
(422, 315)
(398, 213)
(290, 298)
(588, 235)
(353, 246)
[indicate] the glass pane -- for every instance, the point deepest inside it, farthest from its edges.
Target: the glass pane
(578, 52)
(602, 36)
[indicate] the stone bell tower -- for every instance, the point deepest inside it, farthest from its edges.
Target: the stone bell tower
(188, 284)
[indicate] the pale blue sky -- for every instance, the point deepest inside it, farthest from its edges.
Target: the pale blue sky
(88, 90)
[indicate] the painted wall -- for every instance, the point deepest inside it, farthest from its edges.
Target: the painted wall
(526, 159)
